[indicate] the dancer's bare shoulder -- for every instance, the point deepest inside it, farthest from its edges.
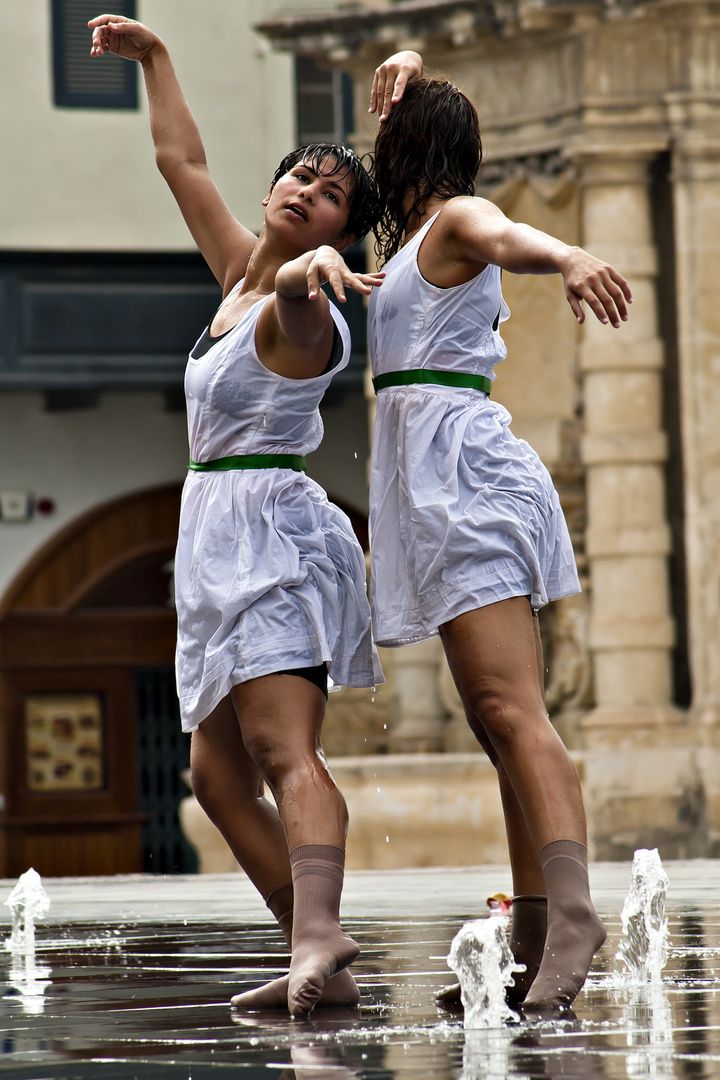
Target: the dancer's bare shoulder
(453, 251)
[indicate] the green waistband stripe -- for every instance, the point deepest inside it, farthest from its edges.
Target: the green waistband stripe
(250, 461)
(435, 378)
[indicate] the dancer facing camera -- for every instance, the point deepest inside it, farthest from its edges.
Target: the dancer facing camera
(269, 578)
(468, 539)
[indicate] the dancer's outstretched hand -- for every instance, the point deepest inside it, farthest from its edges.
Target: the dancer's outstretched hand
(390, 81)
(328, 265)
(604, 290)
(124, 37)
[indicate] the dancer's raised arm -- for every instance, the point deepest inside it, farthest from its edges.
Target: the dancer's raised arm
(224, 243)
(477, 232)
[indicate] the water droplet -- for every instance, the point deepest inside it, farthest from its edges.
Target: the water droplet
(387, 838)
(356, 455)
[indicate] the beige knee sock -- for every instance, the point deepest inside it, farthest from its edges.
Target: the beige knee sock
(528, 924)
(320, 948)
(340, 990)
(280, 904)
(574, 930)
(528, 927)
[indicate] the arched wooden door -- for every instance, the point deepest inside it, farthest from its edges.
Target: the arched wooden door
(87, 612)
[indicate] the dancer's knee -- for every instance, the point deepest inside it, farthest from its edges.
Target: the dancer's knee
(202, 785)
(481, 735)
(272, 757)
(214, 783)
(499, 721)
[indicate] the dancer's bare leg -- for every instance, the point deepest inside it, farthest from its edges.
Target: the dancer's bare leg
(229, 787)
(280, 719)
(493, 655)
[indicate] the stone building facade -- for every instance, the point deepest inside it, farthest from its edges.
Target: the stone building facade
(601, 125)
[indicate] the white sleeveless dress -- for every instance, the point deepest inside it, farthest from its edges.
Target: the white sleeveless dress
(462, 514)
(268, 573)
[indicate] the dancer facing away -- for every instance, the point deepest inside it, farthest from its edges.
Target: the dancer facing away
(270, 580)
(468, 539)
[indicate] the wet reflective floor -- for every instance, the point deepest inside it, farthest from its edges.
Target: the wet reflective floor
(132, 978)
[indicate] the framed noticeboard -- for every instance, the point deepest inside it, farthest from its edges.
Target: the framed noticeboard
(64, 740)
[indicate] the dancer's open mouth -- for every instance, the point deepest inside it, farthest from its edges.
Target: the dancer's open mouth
(295, 209)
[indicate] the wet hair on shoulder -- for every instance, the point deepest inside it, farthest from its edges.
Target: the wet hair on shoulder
(430, 144)
(364, 203)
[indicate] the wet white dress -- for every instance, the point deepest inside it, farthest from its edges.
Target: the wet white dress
(462, 513)
(268, 573)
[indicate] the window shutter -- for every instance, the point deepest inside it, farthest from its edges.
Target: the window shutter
(80, 80)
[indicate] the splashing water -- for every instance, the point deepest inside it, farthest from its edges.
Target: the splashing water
(644, 947)
(27, 902)
(481, 958)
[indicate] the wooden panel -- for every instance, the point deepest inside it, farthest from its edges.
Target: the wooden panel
(119, 794)
(72, 832)
(90, 639)
(86, 851)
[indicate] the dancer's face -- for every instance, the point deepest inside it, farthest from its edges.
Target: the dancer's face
(310, 205)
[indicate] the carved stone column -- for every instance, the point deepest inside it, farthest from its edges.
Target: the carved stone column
(628, 537)
(624, 449)
(695, 121)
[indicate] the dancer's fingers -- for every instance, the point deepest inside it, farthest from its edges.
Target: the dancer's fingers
(103, 20)
(313, 280)
(377, 90)
(335, 281)
(388, 98)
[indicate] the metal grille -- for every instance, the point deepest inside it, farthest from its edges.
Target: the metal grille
(79, 79)
(163, 753)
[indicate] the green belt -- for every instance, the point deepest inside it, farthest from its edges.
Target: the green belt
(251, 461)
(436, 378)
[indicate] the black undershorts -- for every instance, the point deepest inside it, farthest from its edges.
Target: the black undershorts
(317, 675)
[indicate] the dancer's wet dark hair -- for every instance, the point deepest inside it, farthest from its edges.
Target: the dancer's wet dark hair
(430, 143)
(364, 203)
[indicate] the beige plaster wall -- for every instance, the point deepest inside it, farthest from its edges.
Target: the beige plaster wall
(85, 179)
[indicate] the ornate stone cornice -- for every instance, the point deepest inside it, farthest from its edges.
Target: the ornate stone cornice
(352, 24)
(571, 79)
(343, 32)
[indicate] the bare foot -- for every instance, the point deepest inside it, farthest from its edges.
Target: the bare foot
(340, 989)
